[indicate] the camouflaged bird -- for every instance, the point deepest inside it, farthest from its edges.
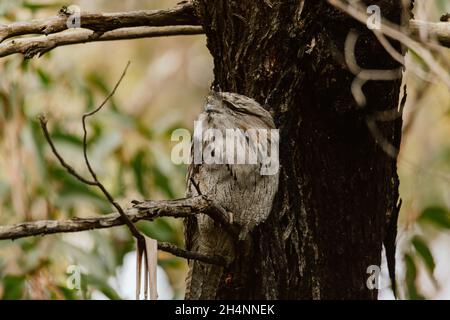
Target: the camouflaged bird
(245, 190)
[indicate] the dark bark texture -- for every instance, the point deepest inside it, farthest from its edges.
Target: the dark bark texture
(338, 188)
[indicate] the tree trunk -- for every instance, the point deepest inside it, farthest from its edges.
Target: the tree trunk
(338, 187)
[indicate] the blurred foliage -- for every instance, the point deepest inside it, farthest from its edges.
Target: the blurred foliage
(129, 147)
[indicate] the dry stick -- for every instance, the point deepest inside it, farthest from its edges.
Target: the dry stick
(179, 208)
(96, 183)
(74, 225)
(173, 249)
(141, 242)
(31, 47)
(182, 14)
(70, 169)
(128, 222)
(148, 210)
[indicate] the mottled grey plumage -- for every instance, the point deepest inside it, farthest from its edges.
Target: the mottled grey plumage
(239, 188)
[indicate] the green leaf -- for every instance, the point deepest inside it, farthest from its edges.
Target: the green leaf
(100, 83)
(163, 182)
(68, 293)
(59, 135)
(159, 229)
(33, 6)
(418, 59)
(72, 191)
(411, 275)
(442, 5)
(25, 64)
(102, 286)
(89, 98)
(436, 215)
(38, 141)
(13, 287)
(44, 77)
(425, 253)
(140, 170)
(170, 263)
(104, 248)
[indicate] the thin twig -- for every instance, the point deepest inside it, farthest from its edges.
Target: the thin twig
(133, 229)
(70, 169)
(394, 32)
(89, 114)
(196, 186)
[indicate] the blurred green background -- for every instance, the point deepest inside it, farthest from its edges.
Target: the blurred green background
(129, 146)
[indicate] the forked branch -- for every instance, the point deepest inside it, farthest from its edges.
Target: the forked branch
(180, 208)
(37, 46)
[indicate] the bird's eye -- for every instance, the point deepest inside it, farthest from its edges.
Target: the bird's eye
(244, 109)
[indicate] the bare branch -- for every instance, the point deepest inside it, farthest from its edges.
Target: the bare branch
(164, 246)
(170, 208)
(182, 14)
(153, 209)
(212, 209)
(393, 31)
(31, 47)
(180, 20)
(69, 168)
(95, 182)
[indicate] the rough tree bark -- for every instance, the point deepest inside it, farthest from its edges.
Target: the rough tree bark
(338, 187)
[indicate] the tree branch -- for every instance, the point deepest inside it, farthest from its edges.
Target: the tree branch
(210, 208)
(31, 47)
(182, 14)
(168, 247)
(439, 31)
(95, 182)
(180, 20)
(393, 31)
(45, 227)
(153, 209)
